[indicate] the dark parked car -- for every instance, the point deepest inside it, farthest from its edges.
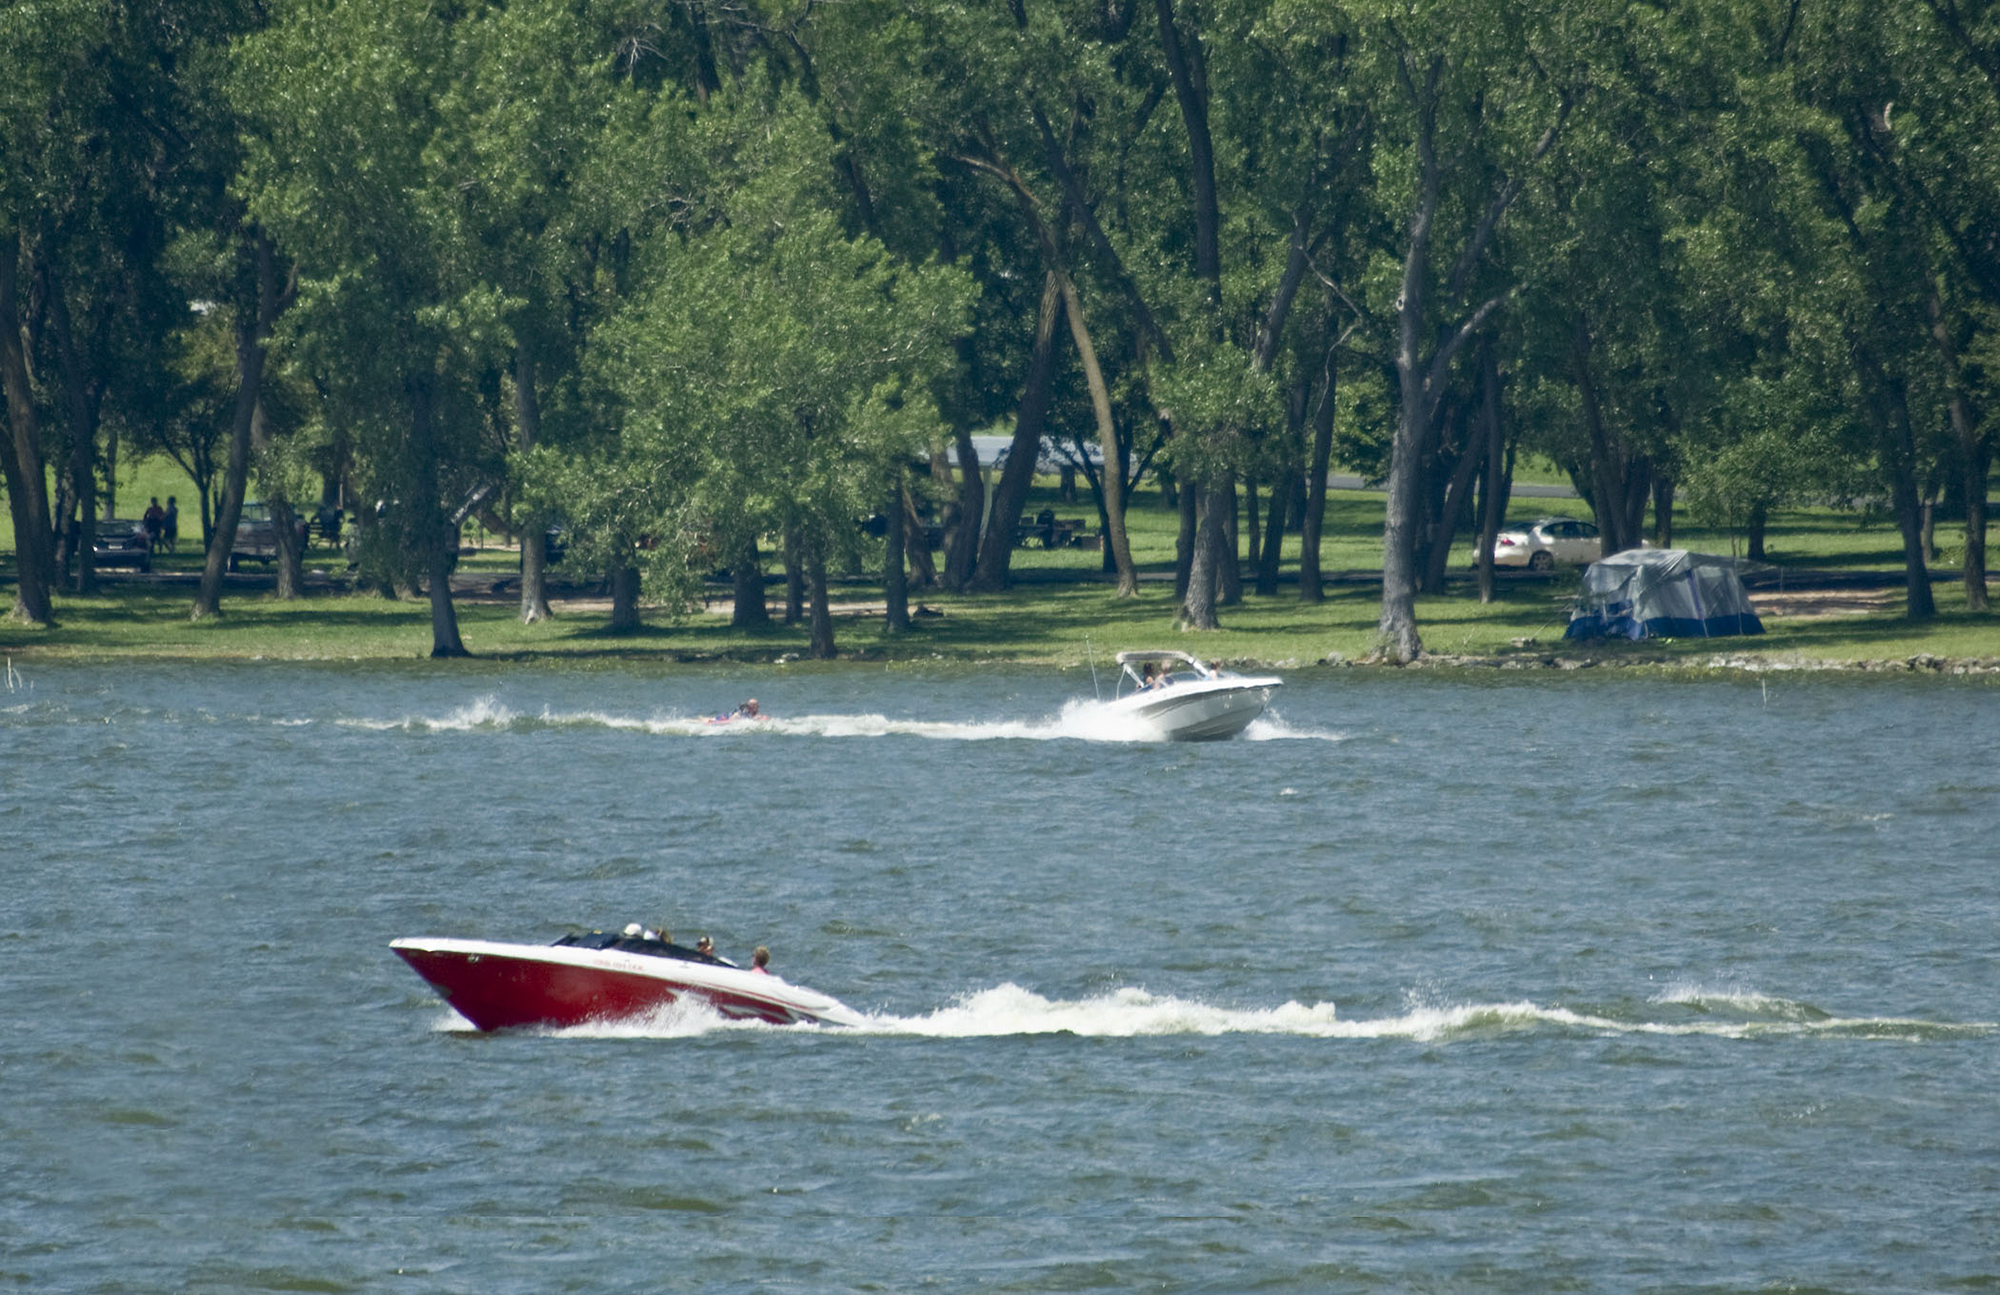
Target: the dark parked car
(257, 535)
(123, 542)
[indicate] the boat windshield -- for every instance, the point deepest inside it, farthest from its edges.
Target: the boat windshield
(634, 944)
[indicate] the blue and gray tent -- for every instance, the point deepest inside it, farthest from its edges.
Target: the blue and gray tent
(1662, 593)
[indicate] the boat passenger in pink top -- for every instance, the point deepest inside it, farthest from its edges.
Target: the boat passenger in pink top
(759, 961)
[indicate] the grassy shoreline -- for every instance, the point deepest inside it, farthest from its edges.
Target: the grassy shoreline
(1060, 611)
(1050, 624)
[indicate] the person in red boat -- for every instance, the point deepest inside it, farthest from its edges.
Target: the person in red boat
(760, 961)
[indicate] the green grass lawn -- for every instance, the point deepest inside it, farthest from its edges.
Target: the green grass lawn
(1054, 614)
(1057, 624)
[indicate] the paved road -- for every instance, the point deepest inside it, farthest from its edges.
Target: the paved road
(989, 448)
(1348, 481)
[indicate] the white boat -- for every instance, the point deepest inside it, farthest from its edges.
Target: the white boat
(1186, 700)
(604, 977)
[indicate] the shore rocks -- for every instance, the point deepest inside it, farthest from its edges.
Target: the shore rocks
(1921, 663)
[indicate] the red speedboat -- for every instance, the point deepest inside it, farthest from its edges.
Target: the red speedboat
(582, 979)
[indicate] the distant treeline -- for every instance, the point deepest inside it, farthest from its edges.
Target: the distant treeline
(705, 285)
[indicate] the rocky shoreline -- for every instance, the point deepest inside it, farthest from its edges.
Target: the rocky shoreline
(1920, 663)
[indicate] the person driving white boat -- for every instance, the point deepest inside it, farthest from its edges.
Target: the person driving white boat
(1182, 698)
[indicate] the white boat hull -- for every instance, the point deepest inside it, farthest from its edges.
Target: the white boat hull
(1206, 710)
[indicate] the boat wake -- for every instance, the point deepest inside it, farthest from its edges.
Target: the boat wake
(1130, 1012)
(1085, 721)
(1008, 1010)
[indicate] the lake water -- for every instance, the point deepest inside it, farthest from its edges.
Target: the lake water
(1506, 983)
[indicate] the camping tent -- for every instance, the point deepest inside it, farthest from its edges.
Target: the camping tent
(1662, 593)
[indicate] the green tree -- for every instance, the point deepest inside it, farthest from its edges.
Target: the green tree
(774, 375)
(352, 169)
(1479, 94)
(102, 116)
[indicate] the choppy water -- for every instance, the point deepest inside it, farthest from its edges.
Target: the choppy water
(1518, 984)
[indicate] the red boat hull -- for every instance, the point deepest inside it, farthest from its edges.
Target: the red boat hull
(498, 990)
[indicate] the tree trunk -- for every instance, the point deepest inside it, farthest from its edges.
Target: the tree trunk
(746, 577)
(65, 519)
(79, 510)
(1420, 379)
(1472, 456)
(1229, 569)
(1753, 526)
(21, 457)
(1397, 629)
(1977, 465)
(795, 578)
(961, 552)
(895, 580)
(1620, 481)
(427, 515)
(1010, 495)
(291, 559)
(1107, 438)
(1606, 464)
(1920, 604)
(1975, 455)
(1284, 485)
(917, 544)
(1663, 510)
(110, 495)
(1287, 496)
(251, 335)
(1312, 524)
(1252, 522)
(1492, 499)
(822, 616)
(625, 618)
(1896, 451)
(1211, 550)
(1188, 69)
(1184, 541)
(534, 526)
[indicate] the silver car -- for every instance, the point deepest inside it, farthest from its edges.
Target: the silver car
(1544, 544)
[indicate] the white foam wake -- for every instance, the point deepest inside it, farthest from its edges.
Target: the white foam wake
(1008, 1010)
(1125, 1013)
(1130, 1012)
(1086, 721)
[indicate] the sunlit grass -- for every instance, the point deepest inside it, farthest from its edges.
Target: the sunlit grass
(1058, 624)
(1055, 614)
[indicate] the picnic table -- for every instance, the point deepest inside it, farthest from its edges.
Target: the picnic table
(1054, 532)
